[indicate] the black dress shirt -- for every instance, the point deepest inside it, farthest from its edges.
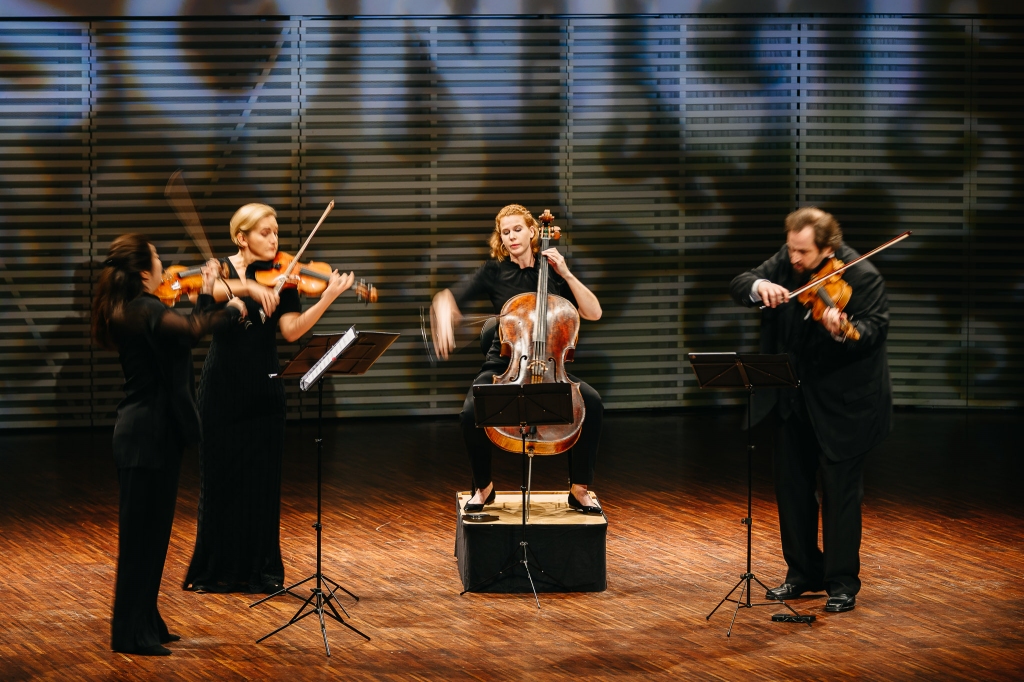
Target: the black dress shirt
(499, 281)
(155, 349)
(845, 386)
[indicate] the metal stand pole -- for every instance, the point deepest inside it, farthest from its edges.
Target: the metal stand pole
(318, 601)
(513, 561)
(744, 583)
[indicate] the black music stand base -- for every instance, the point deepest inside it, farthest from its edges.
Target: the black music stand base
(514, 558)
(319, 601)
(745, 579)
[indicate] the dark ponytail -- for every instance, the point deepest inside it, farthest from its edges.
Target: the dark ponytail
(119, 282)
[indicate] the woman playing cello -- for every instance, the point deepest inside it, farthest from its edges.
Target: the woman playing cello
(155, 421)
(243, 412)
(512, 270)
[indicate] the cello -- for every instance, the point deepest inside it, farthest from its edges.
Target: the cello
(539, 333)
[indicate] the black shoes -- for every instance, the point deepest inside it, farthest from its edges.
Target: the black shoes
(477, 508)
(583, 508)
(171, 637)
(837, 603)
(788, 591)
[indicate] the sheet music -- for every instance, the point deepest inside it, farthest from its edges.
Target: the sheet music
(314, 373)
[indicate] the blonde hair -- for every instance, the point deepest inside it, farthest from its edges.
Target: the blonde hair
(498, 250)
(826, 228)
(247, 217)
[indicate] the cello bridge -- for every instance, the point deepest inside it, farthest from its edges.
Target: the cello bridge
(537, 369)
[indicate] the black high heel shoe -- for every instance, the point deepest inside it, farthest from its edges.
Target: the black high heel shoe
(583, 508)
(477, 508)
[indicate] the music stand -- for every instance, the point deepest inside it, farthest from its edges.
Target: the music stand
(749, 371)
(525, 406)
(347, 354)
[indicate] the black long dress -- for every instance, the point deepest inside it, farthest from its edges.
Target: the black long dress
(243, 412)
(156, 419)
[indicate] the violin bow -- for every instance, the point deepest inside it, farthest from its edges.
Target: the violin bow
(810, 285)
(291, 266)
(176, 193)
(466, 321)
(178, 197)
(849, 265)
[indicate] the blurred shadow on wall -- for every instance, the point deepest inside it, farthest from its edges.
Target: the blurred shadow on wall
(68, 349)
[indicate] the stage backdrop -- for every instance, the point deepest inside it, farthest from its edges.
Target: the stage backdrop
(670, 148)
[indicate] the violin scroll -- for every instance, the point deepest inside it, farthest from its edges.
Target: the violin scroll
(366, 293)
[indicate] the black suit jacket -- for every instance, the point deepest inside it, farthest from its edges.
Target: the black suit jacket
(845, 386)
(155, 349)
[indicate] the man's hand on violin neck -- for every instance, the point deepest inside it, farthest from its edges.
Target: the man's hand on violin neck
(772, 294)
(833, 321)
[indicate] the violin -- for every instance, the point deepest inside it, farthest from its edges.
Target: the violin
(309, 278)
(827, 289)
(539, 333)
(178, 281)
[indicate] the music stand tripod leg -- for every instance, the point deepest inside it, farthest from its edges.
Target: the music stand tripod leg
(299, 615)
(725, 599)
(283, 590)
(739, 603)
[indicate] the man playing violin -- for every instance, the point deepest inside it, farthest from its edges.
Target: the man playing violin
(512, 270)
(842, 409)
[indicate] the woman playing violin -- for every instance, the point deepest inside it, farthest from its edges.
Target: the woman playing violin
(513, 270)
(155, 421)
(243, 413)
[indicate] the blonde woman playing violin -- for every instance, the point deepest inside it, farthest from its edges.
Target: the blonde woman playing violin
(243, 413)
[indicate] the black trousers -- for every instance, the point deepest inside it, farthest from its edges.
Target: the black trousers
(148, 497)
(582, 456)
(799, 460)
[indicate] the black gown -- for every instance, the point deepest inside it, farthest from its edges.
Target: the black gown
(155, 421)
(243, 413)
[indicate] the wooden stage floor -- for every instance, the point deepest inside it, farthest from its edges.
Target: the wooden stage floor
(942, 562)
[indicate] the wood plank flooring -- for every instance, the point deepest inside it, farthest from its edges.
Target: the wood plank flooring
(942, 562)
